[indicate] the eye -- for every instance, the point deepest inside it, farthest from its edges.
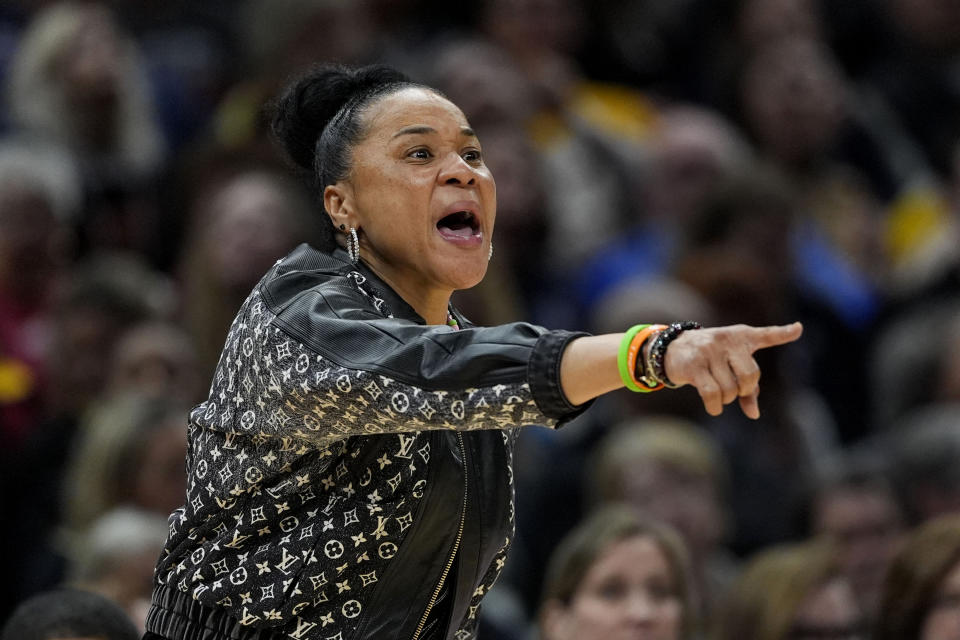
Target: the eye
(611, 590)
(420, 153)
(473, 156)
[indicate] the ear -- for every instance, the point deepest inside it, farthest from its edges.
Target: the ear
(554, 621)
(338, 201)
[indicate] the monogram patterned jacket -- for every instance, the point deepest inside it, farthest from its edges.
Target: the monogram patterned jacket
(349, 460)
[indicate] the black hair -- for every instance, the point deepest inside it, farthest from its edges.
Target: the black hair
(69, 613)
(317, 121)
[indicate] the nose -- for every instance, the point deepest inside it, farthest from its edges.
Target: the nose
(457, 171)
(639, 608)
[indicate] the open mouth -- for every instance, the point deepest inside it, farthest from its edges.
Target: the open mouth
(460, 225)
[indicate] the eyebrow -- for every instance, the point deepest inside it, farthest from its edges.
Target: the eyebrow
(421, 129)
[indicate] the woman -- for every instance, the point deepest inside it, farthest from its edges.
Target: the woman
(921, 595)
(674, 472)
(791, 592)
(349, 475)
(617, 577)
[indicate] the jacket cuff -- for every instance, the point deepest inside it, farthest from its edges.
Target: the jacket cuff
(543, 373)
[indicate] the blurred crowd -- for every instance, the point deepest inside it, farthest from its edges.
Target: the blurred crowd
(727, 161)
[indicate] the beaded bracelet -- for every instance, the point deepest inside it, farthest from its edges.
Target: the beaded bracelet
(629, 356)
(635, 360)
(655, 371)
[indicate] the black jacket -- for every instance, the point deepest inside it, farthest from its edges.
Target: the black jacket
(349, 459)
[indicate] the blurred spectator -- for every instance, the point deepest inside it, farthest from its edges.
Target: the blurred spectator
(481, 78)
(588, 134)
(190, 53)
(925, 451)
(39, 195)
(240, 225)
(794, 111)
(855, 506)
(673, 472)
(158, 359)
(93, 307)
(918, 340)
(913, 69)
(68, 614)
(105, 295)
(78, 81)
(737, 255)
(847, 157)
(691, 151)
(131, 451)
(116, 557)
(793, 592)
(616, 575)
(921, 594)
(280, 38)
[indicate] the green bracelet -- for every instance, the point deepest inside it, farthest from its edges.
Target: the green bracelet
(625, 374)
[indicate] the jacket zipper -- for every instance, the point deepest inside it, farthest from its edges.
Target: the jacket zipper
(456, 544)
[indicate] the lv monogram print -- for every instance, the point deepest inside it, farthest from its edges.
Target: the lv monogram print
(305, 477)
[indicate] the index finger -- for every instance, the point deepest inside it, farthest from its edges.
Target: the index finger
(764, 337)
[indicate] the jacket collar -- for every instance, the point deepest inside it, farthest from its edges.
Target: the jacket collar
(394, 303)
(307, 258)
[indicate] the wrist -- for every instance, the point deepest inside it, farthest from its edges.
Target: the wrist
(657, 352)
(631, 361)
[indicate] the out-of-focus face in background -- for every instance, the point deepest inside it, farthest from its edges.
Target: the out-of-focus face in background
(792, 95)
(686, 501)
(158, 360)
(691, 151)
(89, 65)
(867, 526)
(250, 226)
(630, 593)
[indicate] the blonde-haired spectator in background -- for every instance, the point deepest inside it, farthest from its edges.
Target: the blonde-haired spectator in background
(617, 575)
(77, 80)
(791, 592)
(921, 595)
(671, 470)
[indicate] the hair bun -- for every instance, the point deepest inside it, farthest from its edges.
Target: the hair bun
(306, 105)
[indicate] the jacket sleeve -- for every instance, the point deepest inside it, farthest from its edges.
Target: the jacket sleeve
(325, 367)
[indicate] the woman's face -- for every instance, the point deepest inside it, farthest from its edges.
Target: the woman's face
(943, 619)
(630, 593)
(252, 224)
(416, 171)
